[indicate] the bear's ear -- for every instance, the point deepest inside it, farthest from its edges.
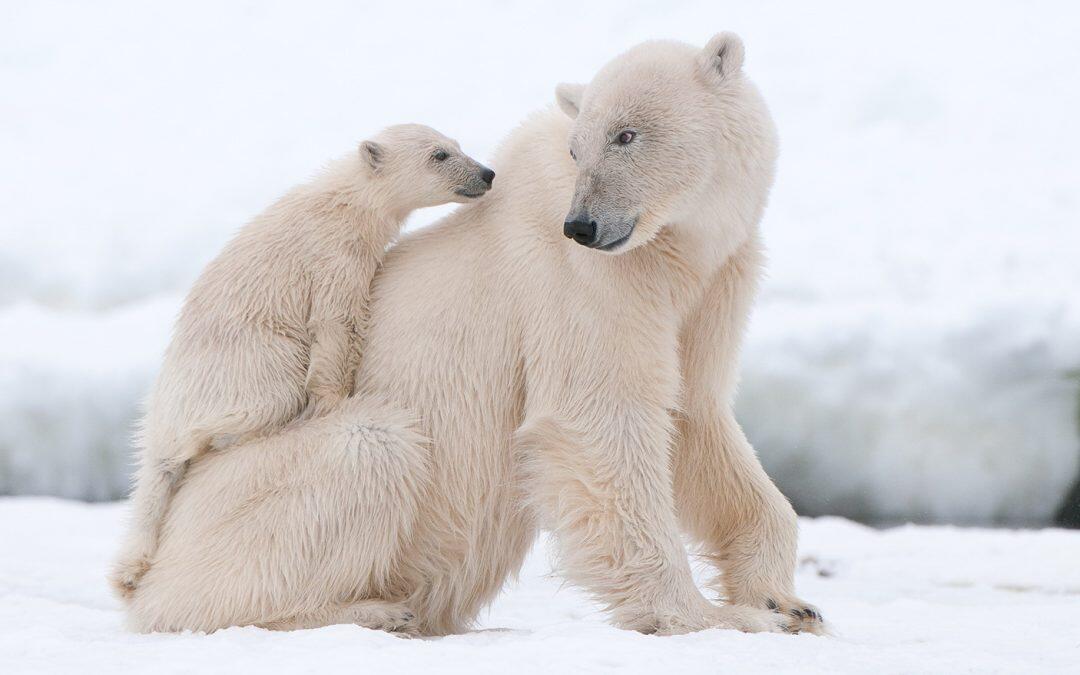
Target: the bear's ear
(569, 98)
(372, 154)
(722, 56)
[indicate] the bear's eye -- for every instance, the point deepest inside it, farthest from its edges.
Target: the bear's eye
(440, 155)
(572, 155)
(626, 136)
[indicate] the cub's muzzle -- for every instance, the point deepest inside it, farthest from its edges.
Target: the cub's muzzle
(479, 182)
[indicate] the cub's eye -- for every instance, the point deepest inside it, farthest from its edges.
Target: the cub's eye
(625, 137)
(440, 155)
(573, 156)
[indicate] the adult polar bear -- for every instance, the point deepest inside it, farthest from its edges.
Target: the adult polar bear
(514, 379)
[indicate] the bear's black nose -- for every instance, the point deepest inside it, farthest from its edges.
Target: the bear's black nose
(488, 176)
(580, 230)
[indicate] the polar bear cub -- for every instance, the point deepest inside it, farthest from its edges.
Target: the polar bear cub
(271, 330)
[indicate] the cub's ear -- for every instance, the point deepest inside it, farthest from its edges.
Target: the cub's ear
(723, 56)
(372, 153)
(569, 98)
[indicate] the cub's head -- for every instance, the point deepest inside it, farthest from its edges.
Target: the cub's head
(420, 167)
(657, 134)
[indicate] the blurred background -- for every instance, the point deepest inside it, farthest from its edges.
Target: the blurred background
(914, 355)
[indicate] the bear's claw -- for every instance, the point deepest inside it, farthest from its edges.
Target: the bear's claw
(807, 617)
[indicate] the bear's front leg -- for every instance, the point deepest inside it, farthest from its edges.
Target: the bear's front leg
(606, 494)
(723, 495)
(746, 526)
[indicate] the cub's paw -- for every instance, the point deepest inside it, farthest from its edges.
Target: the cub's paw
(126, 574)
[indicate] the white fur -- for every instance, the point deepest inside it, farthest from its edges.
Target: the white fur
(271, 331)
(557, 387)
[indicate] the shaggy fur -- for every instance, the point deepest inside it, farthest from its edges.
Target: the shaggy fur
(557, 386)
(271, 331)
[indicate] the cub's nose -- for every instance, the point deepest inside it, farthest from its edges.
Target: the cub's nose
(580, 230)
(488, 176)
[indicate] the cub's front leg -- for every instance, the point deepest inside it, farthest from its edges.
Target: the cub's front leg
(331, 366)
(338, 326)
(338, 316)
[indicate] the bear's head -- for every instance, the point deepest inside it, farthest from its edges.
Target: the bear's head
(664, 135)
(416, 166)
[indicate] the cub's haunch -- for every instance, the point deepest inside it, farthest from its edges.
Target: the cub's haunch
(272, 329)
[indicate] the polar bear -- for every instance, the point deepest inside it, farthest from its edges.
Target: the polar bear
(561, 356)
(271, 330)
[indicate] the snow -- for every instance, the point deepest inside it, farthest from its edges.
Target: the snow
(914, 352)
(903, 600)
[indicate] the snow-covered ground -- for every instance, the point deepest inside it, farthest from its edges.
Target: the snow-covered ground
(914, 352)
(914, 599)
